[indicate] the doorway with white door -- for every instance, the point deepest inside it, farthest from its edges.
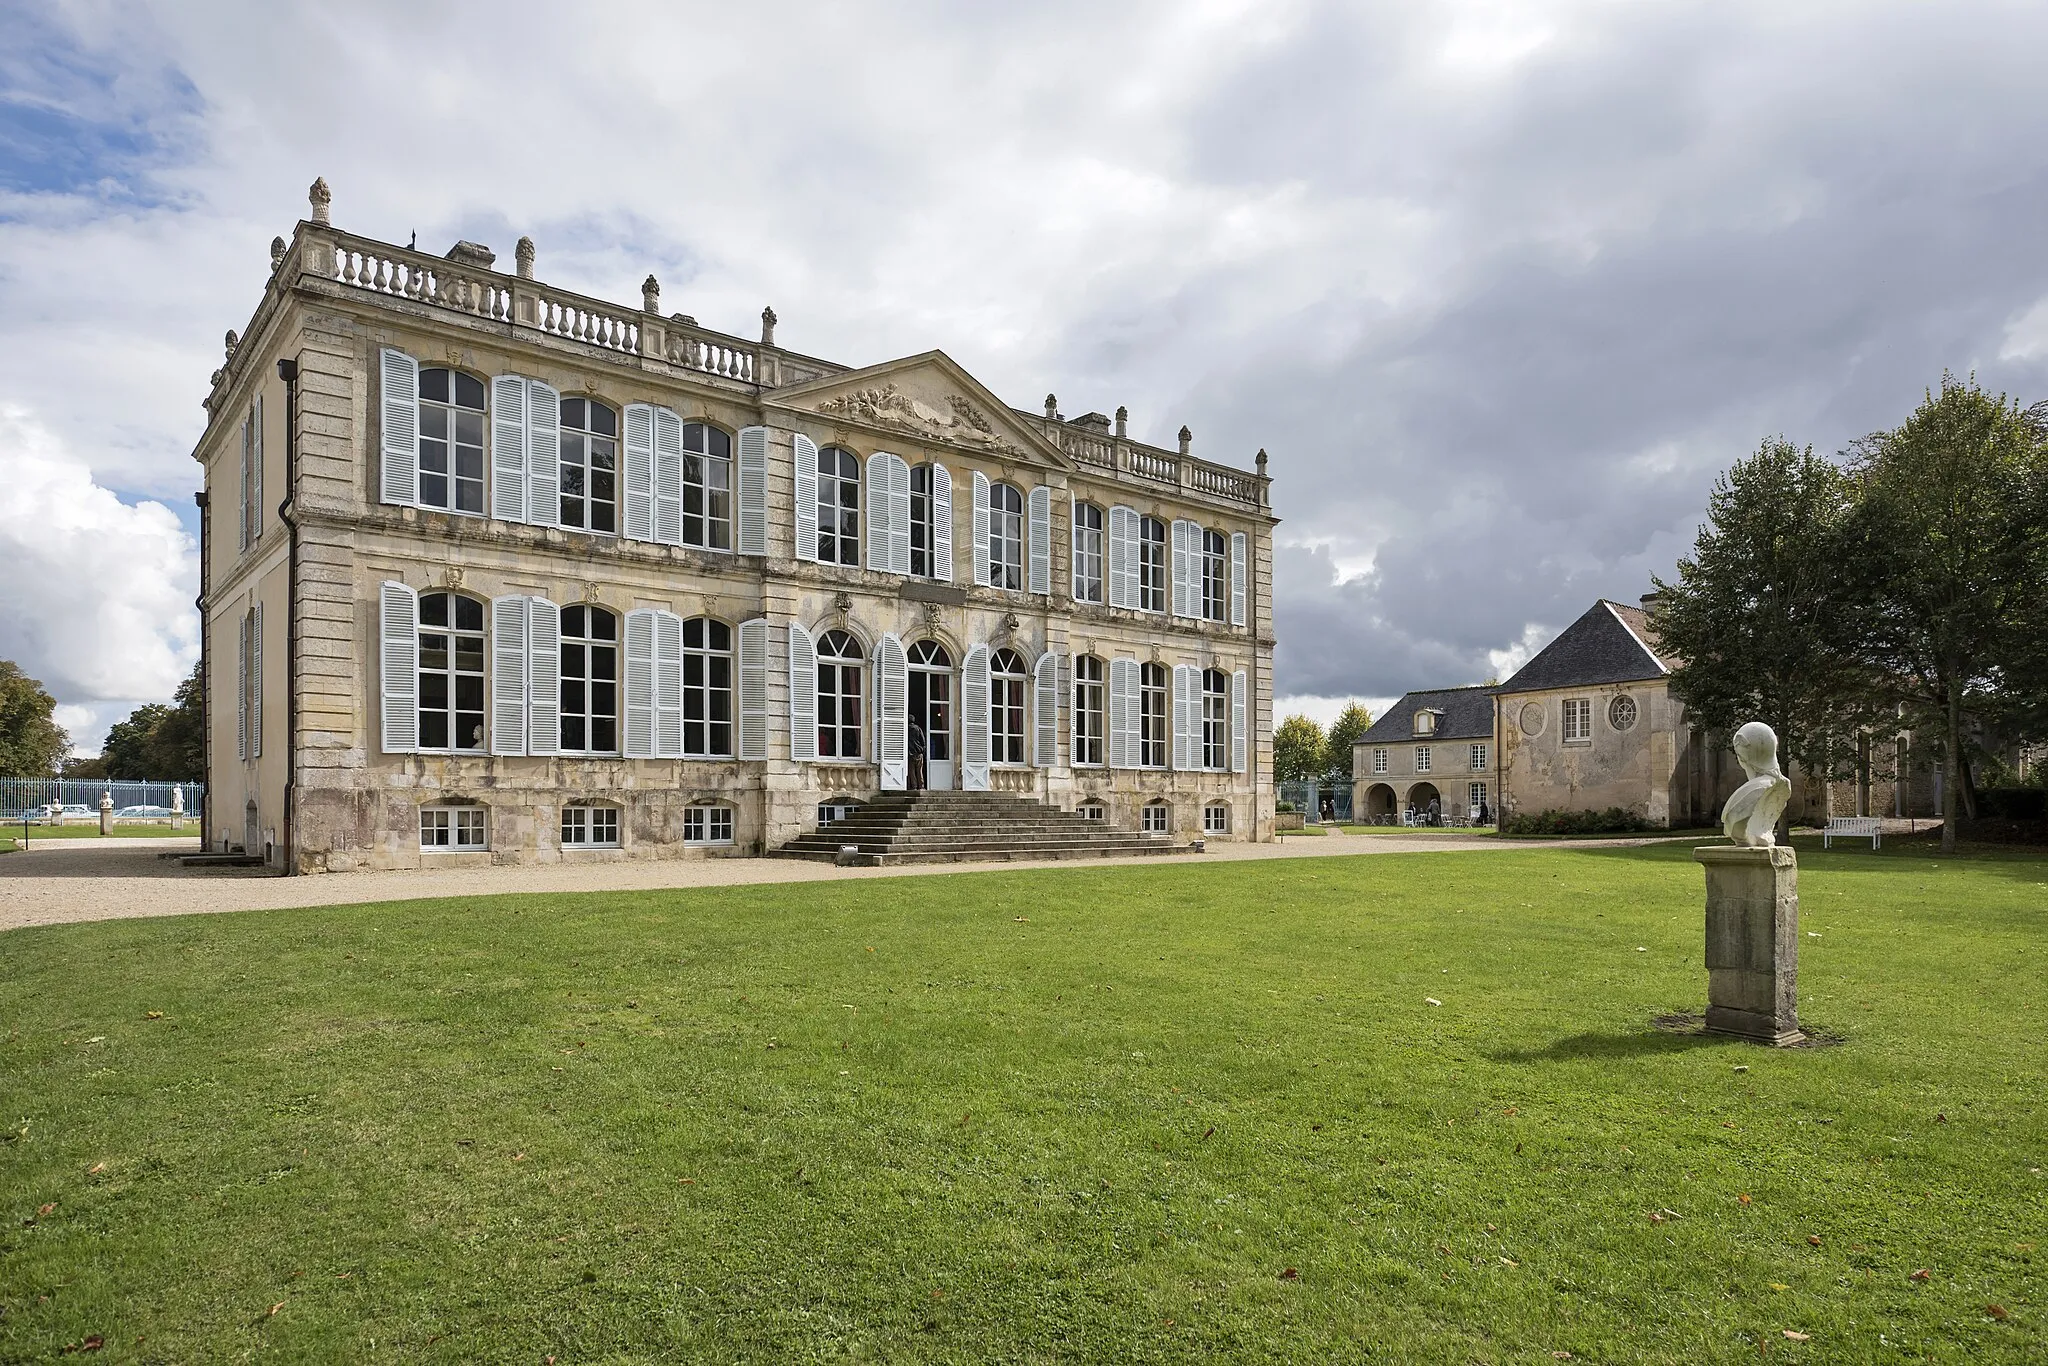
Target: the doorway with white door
(931, 710)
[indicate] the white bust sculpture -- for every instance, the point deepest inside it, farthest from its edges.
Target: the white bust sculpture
(1751, 815)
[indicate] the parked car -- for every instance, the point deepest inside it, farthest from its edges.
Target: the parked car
(77, 811)
(143, 813)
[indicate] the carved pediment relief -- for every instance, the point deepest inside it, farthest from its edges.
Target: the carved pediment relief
(958, 421)
(928, 398)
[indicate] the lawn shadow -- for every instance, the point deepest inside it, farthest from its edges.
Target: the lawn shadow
(1676, 1033)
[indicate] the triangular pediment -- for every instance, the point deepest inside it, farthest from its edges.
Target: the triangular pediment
(929, 398)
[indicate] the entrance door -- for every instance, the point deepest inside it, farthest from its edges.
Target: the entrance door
(931, 710)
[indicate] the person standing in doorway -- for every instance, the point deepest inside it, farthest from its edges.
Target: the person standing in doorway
(916, 782)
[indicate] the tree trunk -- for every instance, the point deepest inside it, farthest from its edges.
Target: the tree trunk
(1951, 768)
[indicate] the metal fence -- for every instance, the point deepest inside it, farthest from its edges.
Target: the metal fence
(1319, 800)
(79, 798)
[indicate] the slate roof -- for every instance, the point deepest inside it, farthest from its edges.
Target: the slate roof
(1611, 643)
(1467, 715)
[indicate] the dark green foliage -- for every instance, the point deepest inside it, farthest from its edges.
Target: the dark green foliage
(2013, 803)
(1614, 820)
(158, 743)
(32, 745)
(1297, 750)
(1353, 722)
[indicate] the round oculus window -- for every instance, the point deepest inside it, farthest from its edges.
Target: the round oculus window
(1621, 713)
(1532, 718)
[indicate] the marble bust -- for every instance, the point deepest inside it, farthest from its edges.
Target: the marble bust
(1751, 816)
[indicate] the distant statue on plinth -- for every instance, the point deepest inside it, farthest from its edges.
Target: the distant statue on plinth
(1751, 816)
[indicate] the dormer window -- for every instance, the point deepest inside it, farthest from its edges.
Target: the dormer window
(1425, 723)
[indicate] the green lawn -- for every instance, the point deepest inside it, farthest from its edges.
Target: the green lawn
(90, 830)
(1171, 1113)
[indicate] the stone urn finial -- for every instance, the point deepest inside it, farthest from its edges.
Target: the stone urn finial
(1186, 439)
(1052, 408)
(319, 196)
(768, 327)
(523, 254)
(650, 295)
(1123, 417)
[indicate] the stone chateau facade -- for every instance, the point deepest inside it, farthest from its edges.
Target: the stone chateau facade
(494, 572)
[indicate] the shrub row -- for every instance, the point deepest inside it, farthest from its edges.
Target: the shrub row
(1614, 820)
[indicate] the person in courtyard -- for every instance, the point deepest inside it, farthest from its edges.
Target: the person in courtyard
(916, 777)
(1436, 812)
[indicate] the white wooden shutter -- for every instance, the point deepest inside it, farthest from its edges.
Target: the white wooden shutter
(899, 515)
(509, 485)
(398, 666)
(803, 455)
(242, 686)
(398, 431)
(242, 494)
(508, 675)
(543, 456)
(668, 686)
(754, 686)
(1239, 545)
(256, 473)
(1038, 545)
(1183, 569)
(1123, 712)
(980, 528)
(640, 683)
(668, 477)
(803, 694)
(543, 677)
(1045, 687)
(974, 699)
(1240, 735)
(256, 684)
(1123, 557)
(640, 473)
(880, 506)
(753, 499)
(892, 713)
(1183, 726)
(942, 523)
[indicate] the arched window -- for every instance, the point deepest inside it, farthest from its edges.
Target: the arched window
(451, 441)
(451, 678)
(707, 689)
(1151, 565)
(1152, 716)
(590, 680)
(1091, 714)
(1215, 553)
(838, 507)
(707, 486)
(590, 466)
(1088, 561)
(590, 826)
(1005, 537)
(839, 696)
(1007, 678)
(1156, 818)
(1215, 719)
(931, 700)
(1216, 819)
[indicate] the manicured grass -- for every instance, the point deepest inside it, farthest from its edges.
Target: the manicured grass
(1309, 830)
(1190, 1112)
(90, 830)
(1404, 830)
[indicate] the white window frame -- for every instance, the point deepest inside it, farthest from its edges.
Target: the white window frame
(1215, 720)
(1475, 794)
(1216, 818)
(1479, 758)
(1379, 761)
(1578, 721)
(1091, 713)
(1423, 759)
(467, 827)
(837, 809)
(420, 671)
(1615, 704)
(1009, 722)
(1005, 538)
(1156, 818)
(585, 462)
(1214, 556)
(1153, 575)
(707, 825)
(1164, 692)
(1091, 559)
(1092, 810)
(704, 692)
(846, 543)
(583, 817)
(420, 471)
(842, 700)
(618, 680)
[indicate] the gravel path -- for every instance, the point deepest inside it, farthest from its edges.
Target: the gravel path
(60, 881)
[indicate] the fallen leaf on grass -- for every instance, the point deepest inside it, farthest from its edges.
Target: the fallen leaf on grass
(519, 1157)
(1996, 1311)
(47, 1210)
(1813, 1238)
(1742, 1199)
(90, 1344)
(1795, 1335)
(1655, 1217)
(686, 1181)
(1940, 1118)
(1206, 1132)
(1020, 920)
(153, 1015)
(1511, 1110)
(95, 1169)
(1562, 1356)
(1923, 1274)
(1507, 1261)
(1290, 1274)
(1779, 1285)
(273, 1310)
(1432, 1000)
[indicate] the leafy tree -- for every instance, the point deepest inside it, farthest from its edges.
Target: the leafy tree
(126, 752)
(1763, 615)
(1952, 541)
(32, 744)
(1350, 724)
(1297, 750)
(158, 742)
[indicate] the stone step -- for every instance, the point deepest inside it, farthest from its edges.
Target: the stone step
(932, 827)
(221, 861)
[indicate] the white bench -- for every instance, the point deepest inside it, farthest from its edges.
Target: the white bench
(1853, 828)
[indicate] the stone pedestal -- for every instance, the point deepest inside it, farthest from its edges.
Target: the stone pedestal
(106, 815)
(1752, 942)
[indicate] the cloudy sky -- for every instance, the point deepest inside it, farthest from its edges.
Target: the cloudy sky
(1500, 286)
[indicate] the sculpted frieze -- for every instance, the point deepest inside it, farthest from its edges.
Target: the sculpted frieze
(886, 406)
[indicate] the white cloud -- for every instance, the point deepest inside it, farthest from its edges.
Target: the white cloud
(98, 597)
(1324, 711)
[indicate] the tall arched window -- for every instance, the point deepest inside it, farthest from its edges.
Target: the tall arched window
(590, 466)
(590, 680)
(1005, 537)
(1007, 678)
(1152, 716)
(1151, 565)
(838, 507)
(1215, 719)
(1090, 710)
(707, 486)
(1214, 556)
(839, 696)
(451, 441)
(451, 678)
(931, 702)
(707, 689)
(1088, 553)
(924, 541)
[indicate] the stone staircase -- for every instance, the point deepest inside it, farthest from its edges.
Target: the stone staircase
(945, 827)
